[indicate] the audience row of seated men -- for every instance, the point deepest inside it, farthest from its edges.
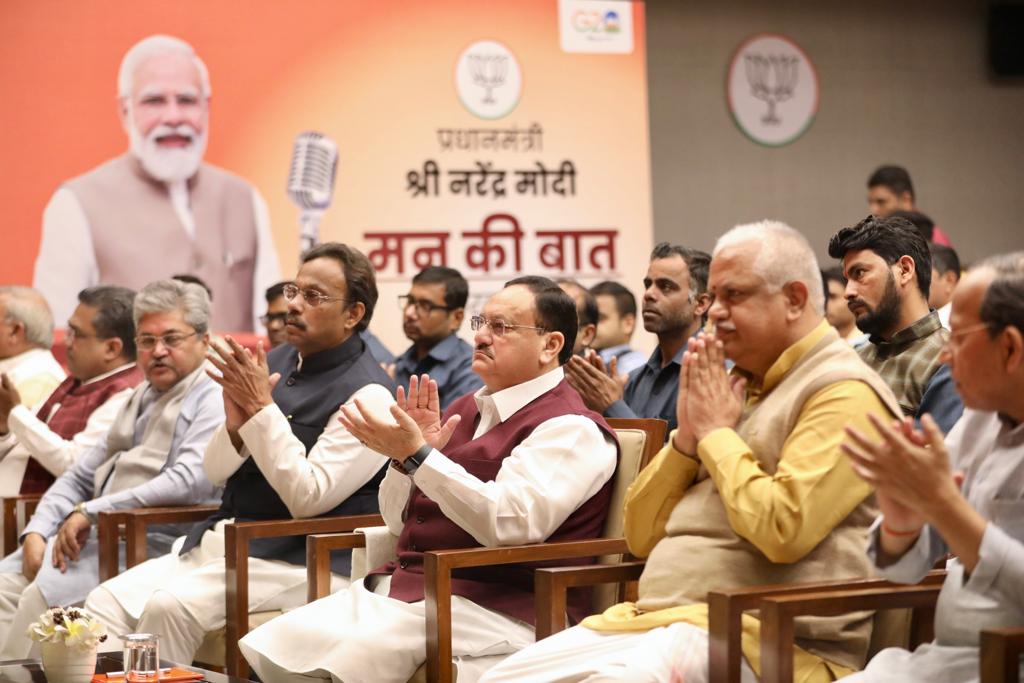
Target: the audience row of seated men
(750, 489)
(151, 455)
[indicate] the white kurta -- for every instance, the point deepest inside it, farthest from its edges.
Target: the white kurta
(363, 635)
(990, 452)
(66, 263)
(31, 437)
(182, 597)
(35, 373)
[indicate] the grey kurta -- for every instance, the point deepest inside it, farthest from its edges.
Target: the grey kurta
(990, 453)
(181, 481)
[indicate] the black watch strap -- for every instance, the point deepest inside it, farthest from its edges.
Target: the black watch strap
(413, 462)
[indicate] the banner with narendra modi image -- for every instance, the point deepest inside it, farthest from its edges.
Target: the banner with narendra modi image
(498, 138)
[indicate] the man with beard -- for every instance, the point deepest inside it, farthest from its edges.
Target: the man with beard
(889, 271)
(432, 313)
(158, 210)
(674, 305)
(151, 456)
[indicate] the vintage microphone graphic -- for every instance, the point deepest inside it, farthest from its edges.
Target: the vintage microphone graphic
(311, 182)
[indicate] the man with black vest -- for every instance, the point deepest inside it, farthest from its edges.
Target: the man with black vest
(282, 453)
(520, 461)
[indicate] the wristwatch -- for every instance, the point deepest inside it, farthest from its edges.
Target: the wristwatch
(413, 462)
(80, 509)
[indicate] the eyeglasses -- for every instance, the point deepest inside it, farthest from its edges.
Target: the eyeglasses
(273, 318)
(499, 327)
(71, 334)
(310, 296)
(953, 337)
(423, 307)
(147, 342)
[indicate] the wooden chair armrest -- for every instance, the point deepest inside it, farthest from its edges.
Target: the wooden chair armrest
(136, 523)
(778, 613)
(551, 587)
(437, 569)
(318, 560)
(28, 501)
(726, 607)
(1001, 649)
(236, 565)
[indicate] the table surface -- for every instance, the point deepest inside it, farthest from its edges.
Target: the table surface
(30, 670)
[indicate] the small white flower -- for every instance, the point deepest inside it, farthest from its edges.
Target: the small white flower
(73, 626)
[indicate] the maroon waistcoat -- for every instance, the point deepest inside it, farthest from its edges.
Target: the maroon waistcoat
(77, 402)
(506, 589)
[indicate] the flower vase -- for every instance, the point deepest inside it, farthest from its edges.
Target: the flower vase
(63, 664)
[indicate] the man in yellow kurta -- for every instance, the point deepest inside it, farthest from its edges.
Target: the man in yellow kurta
(752, 487)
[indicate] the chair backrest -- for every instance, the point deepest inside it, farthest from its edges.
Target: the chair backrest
(640, 439)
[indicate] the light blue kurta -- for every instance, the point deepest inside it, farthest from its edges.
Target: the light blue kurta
(181, 481)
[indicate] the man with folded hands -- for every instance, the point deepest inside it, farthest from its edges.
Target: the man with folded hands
(520, 461)
(752, 487)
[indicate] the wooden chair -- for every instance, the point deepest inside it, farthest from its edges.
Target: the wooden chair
(725, 609)
(219, 648)
(16, 512)
(639, 440)
(1001, 650)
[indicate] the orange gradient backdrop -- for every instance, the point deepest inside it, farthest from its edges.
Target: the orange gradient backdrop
(375, 75)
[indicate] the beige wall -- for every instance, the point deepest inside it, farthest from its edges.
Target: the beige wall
(901, 82)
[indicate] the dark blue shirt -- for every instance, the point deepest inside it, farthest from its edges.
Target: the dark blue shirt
(379, 352)
(449, 363)
(651, 390)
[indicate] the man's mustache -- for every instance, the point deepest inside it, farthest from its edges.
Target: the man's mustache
(852, 303)
(296, 321)
(485, 349)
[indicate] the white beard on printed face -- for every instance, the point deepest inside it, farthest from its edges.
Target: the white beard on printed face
(168, 164)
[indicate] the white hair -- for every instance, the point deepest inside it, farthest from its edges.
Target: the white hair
(167, 296)
(157, 46)
(28, 307)
(784, 256)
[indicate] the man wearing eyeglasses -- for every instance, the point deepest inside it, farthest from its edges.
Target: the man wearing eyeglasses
(962, 495)
(281, 454)
(520, 461)
(432, 313)
(40, 443)
(151, 456)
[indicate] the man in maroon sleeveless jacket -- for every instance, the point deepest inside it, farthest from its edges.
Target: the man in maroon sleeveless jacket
(39, 444)
(520, 461)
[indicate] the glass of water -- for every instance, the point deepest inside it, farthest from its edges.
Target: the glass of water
(141, 657)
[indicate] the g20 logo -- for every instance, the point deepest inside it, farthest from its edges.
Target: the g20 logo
(596, 22)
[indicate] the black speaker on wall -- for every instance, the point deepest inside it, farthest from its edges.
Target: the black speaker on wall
(1006, 38)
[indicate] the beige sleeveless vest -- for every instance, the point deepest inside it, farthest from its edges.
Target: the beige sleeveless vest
(138, 238)
(700, 551)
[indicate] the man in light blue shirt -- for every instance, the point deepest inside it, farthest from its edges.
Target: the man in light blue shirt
(432, 313)
(616, 321)
(674, 304)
